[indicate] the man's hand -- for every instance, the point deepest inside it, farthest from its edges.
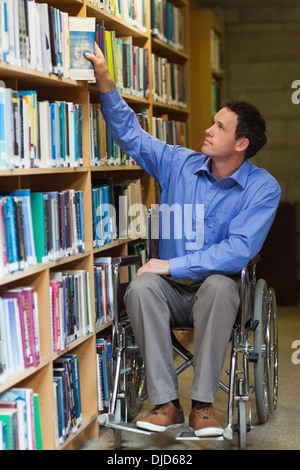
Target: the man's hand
(104, 79)
(155, 266)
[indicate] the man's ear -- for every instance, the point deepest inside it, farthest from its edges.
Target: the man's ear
(242, 144)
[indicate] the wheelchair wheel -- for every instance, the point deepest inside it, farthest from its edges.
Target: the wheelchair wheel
(136, 384)
(273, 356)
(262, 350)
(242, 425)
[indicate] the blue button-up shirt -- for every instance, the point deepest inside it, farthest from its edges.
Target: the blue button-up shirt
(209, 226)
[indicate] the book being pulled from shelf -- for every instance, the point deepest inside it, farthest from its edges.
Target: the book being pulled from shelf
(104, 372)
(71, 308)
(81, 40)
(38, 134)
(20, 417)
(67, 397)
(19, 331)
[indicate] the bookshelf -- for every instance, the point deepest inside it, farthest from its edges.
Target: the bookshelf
(52, 87)
(207, 80)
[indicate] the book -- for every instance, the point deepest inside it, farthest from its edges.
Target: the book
(25, 432)
(105, 263)
(81, 40)
(66, 375)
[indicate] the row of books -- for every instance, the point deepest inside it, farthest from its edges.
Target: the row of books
(20, 425)
(37, 36)
(104, 290)
(58, 224)
(104, 372)
(38, 134)
(19, 331)
(216, 51)
(130, 11)
(70, 307)
(67, 397)
(167, 23)
(39, 227)
(127, 63)
(104, 149)
(118, 211)
(16, 232)
(168, 82)
(170, 131)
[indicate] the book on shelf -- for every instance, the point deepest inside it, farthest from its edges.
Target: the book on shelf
(39, 134)
(130, 11)
(35, 35)
(70, 307)
(104, 215)
(170, 131)
(104, 371)
(105, 263)
(58, 223)
(167, 23)
(16, 232)
(81, 40)
(168, 82)
(20, 409)
(19, 331)
(127, 63)
(67, 396)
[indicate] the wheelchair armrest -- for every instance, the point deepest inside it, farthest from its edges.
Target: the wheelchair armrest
(254, 260)
(128, 260)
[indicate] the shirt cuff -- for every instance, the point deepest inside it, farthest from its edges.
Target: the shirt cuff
(177, 267)
(109, 99)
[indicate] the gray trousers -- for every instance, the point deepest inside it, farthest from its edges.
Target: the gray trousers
(154, 302)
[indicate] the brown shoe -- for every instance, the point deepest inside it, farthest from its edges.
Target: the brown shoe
(162, 417)
(202, 420)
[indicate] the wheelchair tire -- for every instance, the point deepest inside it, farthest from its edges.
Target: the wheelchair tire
(273, 356)
(136, 385)
(261, 348)
(242, 425)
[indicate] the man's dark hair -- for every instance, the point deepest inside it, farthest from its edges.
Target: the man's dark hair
(250, 124)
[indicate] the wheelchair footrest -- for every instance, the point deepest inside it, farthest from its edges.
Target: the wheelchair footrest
(108, 421)
(190, 436)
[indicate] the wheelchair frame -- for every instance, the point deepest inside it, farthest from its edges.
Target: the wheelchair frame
(254, 340)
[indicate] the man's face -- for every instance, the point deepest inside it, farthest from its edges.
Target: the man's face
(220, 142)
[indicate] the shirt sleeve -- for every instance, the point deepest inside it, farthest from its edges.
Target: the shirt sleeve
(246, 235)
(153, 155)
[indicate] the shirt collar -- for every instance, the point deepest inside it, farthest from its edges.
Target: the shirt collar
(240, 175)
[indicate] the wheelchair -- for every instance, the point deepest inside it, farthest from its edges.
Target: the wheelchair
(253, 367)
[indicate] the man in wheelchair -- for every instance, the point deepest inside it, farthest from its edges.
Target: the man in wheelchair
(223, 207)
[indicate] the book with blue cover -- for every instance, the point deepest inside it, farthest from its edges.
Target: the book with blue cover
(81, 40)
